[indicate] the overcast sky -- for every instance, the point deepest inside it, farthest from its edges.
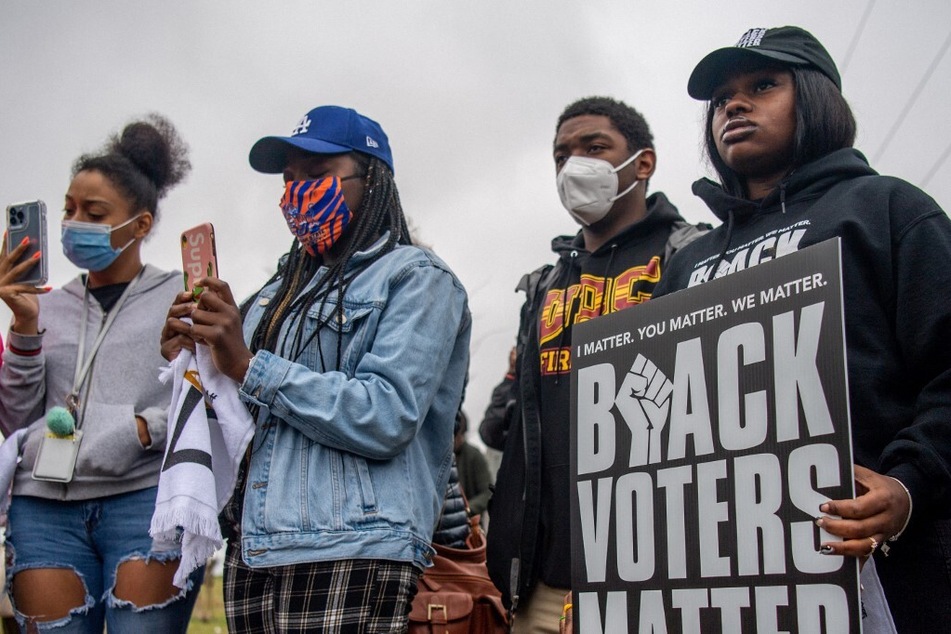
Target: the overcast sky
(468, 93)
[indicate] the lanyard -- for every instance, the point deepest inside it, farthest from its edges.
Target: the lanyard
(82, 367)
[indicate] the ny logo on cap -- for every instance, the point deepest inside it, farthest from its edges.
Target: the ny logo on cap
(302, 126)
(753, 37)
(372, 143)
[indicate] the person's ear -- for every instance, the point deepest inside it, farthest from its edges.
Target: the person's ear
(143, 224)
(645, 164)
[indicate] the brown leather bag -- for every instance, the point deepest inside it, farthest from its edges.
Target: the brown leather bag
(455, 595)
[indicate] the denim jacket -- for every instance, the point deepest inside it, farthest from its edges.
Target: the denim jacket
(354, 463)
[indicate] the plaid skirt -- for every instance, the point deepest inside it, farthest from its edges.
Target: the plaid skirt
(357, 595)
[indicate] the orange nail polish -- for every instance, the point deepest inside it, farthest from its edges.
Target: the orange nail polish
(37, 255)
(24, 241)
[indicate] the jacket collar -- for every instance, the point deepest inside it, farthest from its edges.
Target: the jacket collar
(151, 277)
(812, 179)
(660, 211)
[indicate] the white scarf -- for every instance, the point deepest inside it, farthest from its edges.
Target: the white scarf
(209, 429)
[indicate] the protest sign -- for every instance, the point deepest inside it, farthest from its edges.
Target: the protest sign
(707, 428)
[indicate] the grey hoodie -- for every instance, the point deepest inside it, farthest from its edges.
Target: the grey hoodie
(37, 374)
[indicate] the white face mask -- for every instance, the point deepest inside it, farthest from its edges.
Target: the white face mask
(588, 187)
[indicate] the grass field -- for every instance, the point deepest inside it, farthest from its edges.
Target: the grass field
(208, 616)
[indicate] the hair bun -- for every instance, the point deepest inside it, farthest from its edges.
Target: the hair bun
(154, 146)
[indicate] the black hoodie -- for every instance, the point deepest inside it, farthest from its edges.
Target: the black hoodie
(529, 510)
(896, 260)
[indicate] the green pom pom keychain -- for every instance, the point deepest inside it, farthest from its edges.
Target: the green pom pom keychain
(60, 422)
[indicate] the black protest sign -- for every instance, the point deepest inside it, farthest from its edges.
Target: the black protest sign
(707, 428)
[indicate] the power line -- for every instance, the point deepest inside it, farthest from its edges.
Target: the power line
(934, 169)
(914, 97)
(858, 34)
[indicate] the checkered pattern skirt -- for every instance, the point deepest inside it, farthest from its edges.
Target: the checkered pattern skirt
(364, 596)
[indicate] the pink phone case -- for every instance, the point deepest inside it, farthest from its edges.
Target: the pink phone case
(199, 258)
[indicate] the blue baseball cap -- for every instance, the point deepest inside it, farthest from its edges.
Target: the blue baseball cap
(323, 130)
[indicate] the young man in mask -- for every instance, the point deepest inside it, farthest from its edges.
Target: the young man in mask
(604, 157)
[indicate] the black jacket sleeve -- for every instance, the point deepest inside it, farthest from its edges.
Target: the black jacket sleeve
(498, 414)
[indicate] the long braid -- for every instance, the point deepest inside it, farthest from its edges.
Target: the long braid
(379, 212)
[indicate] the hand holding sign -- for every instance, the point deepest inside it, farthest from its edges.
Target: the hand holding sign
(644, 402)
(879, 511)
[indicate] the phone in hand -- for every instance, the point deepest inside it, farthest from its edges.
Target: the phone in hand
(199, 256)
(28, 220)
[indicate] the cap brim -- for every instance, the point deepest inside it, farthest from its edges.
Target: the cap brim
(713, 68)
(269, 155)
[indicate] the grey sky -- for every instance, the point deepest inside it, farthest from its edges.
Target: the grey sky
(468, 93)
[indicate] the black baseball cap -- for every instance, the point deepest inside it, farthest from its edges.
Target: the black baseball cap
(788, 45)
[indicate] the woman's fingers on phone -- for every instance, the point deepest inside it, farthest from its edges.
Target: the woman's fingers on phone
(214, 302)
(6, 261)
(181, 309)
(13, 291)
(32, 290)
(9, 271)
(25, 266)
(220, 287)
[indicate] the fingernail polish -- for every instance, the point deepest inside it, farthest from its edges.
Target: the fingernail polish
(24, 241)
(37, 255)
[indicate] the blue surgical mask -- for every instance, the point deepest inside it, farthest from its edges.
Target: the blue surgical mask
(88, 245)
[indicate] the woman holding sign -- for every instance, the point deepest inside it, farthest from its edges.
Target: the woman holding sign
(779, 134)
(79, 383)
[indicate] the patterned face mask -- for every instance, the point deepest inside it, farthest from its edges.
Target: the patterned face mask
(316, 212)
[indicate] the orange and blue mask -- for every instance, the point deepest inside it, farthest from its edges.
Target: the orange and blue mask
(316, 212)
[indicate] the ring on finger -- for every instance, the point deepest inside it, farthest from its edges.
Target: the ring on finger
(874, 546)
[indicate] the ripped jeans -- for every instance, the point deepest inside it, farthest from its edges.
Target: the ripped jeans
(93, 537)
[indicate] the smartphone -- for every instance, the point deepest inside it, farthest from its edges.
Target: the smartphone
(199, 257)
(28, 220)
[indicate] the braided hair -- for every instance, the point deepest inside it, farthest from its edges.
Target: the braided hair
(380, 212)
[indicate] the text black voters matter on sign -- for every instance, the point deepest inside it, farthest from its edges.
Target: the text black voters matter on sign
(707, 428)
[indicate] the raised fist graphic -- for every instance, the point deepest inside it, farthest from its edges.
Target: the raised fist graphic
(644, 402)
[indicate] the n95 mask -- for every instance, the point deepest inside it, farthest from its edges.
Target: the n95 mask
(588, 187)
